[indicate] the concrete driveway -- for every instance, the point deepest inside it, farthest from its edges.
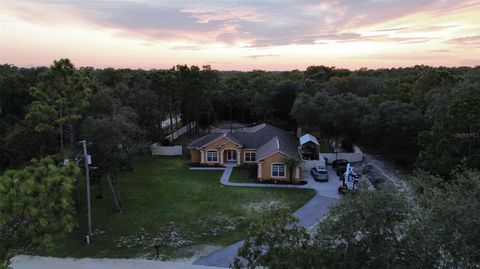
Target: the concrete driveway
(328, 188)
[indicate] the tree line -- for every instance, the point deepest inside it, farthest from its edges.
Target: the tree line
(419, 115)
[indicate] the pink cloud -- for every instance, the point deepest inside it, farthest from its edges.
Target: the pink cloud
(206, 15)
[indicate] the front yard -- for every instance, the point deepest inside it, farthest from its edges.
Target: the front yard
(168, 204)
(241, 175)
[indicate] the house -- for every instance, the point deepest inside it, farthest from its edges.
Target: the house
(263, 144)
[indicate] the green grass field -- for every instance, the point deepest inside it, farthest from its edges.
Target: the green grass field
(168, 204)
(240, 175)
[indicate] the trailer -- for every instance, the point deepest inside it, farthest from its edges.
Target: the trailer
(349, 180)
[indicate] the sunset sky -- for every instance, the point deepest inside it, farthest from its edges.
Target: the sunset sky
(241, 35)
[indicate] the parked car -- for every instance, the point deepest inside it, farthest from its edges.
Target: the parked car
(319, 173)
(340, 166)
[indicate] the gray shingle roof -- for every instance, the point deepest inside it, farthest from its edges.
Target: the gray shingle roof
(267, 139)
(201, 141)
(270, 147)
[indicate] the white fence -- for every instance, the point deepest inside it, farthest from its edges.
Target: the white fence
(181, 131)
(353, 157)
(166, 122)
(308, 165)
(166, 150)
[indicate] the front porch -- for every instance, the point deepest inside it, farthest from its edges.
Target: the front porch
(222, 156)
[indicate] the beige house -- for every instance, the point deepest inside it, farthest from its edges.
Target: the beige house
(263, 144)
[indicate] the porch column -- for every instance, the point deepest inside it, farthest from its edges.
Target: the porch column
(238, 156)
(202, 156)
(259, 171)
(221, 156)
(297, 172)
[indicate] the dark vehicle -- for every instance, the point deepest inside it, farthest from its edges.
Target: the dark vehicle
(340, 166)
(319, 173)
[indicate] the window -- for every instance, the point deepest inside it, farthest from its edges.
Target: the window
(212, 156)
(278, 170)
(250, 156)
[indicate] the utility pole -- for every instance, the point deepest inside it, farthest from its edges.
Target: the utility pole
(87, 160)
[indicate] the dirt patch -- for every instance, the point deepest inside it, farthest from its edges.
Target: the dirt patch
(220, 224)
(259, 207)
(379, 173)
(167, 236)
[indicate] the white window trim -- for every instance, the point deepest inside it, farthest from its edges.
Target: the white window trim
(245, 156)
(206, 156)
(284, 171)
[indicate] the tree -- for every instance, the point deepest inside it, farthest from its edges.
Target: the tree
(35, 206)
(348, 84)
(115, 135)
(393, 128)
(275, 240)
(362, 231)
(446, 233)
(14, 98)
(453, 138)
(430, 79)
(60, 95)
(261, 84)
(282, 102)
(332, 114)
(366, 230)
(308, 111)
(292, 163)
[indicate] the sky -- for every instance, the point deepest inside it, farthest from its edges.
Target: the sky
(241, 35)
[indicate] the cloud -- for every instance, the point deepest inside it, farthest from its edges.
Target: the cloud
(251, 23)
(467, 40)
(258, 56)
(206, 15)
(186, 48)
(394, 29)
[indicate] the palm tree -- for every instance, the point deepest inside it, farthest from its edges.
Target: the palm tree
(291, 164)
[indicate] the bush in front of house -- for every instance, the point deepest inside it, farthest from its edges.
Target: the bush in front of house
(197, 164)
(281, 182)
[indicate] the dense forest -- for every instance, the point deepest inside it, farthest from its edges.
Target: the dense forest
(423, 116)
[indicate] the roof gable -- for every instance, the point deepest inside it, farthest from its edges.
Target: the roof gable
(206, 139)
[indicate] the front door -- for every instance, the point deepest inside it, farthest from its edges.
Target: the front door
(231, 156)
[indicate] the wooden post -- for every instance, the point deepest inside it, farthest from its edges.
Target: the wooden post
(115, 198)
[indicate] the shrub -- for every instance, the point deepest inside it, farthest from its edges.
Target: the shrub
(347, 145)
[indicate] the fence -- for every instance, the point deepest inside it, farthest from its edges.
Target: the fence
(175, 120)
(353, 157)
(181, 131)
(157, 149)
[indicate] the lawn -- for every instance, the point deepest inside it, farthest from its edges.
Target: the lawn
(168, 204)
(240, 175)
